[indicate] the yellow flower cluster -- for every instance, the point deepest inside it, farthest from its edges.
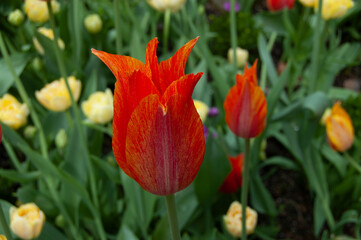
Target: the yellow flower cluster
(37, 10)
(330, 8)
(233, 219)
(47, 32)
(99, 107)
(12, 113)
(27, 221)
(55, 96)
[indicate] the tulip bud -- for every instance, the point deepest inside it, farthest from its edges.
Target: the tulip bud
(163, 5)
(202, 109)
(37, 10)
(241, 56)
(16, 17)
(27, 221)
(61, 139)
(29, 132)
(93, 23)
(49, 34)
(233, 220)
(36, 64)
(99, 107)
(60, 221)
(12, 113)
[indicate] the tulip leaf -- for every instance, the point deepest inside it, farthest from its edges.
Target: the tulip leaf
(18, 177)
(282, 162)
(316, 103)
(318, 215)
(214, 170)
(336, 159)
(19, 61)
(5, 207)
(111, 172)
(261, 199)
(126, 233)
(50, 232)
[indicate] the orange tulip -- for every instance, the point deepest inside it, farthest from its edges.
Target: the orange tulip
(234, 178)
(157, 133)
(340, 133)
(246, 106)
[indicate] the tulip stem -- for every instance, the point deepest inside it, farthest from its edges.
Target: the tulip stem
(83, 141)
(4, 225)
(172, 217)
(12, 155)
(167, 15)
(244, 193)
(316, 50)
(118, 38)
(233, 29)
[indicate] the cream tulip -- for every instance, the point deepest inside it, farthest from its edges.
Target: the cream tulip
(13, 113)
(163, 5)
(99, 107)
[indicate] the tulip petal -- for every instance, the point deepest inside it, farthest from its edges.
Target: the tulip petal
(173, 68)
(151, 68)
(234, 179)
(121, 66)
(184, 86)
(126, 99)
(164, 144)
(246, 109)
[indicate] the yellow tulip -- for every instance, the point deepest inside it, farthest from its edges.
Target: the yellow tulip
(47, 32)
(16, 17)
(334, 8)
(12, 113)
(2, 237)
(37, 10)
(27, 221)
(99, 107)
(241, 56)
(163, 5)
(339, 128)
(55, 96)
(233, 220)
(202, 109)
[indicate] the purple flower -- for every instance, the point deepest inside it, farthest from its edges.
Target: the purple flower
(227, 6)
(205, 129)
(213, 111)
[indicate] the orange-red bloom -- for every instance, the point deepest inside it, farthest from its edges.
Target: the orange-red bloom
(234, 178)
(246, 106)
(157, 133)
(339, 128)
(276, 5)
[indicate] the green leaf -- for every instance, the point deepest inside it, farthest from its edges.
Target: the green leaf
(126, 233)
(316, 102)
(267, 59)
(19, 61)
(213, 171)
(336, 159)
(18, 177)
(261, 199)
(50, 232)
(5, 207)
(319, 216)
(111, 172)
(282, 162)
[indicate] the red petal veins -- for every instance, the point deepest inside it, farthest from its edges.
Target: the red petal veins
(246, 109)
(165, 146)
(184, 86)
(121, 66)
(173, 68)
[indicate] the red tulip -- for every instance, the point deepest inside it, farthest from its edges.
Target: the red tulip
(246, 106)
(276, 5)
(234, 178)
(157, 133)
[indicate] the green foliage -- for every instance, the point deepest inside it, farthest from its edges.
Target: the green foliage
(353, 107)
(247, 32)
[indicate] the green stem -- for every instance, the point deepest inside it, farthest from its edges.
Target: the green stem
(329, 216)
(353, 162)
(167, 15)
(264, 67)
(4, 224)
(77, 31)
(233, 29)
(316, 50)
(245, 179)
(117, 26)
(24, 96)
(172, 217)
(62, 69)
(12, 155)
